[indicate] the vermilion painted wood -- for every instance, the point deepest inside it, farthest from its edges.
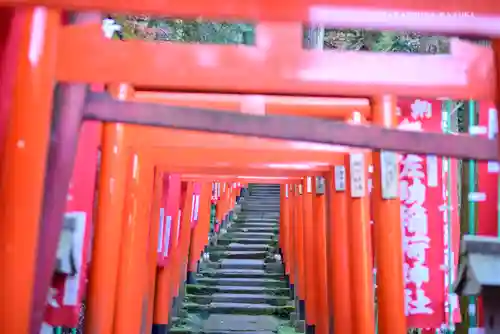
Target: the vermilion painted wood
(101, 107)
(155, 137)
(453, 16)
(338, 108)
(466, 73)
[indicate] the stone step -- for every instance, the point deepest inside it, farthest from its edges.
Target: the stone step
(256, 223)
(240, 229)
(260, 209)
(245, 264)
(224, 240)
(250, 235)
(264, 191)
(242, 289)
(261, 200)
(260, 220)
(256, 202)
(265, 186)
(239, 298)
(200, 289)
(264, 203)
(240, 247)
(240, 273)
(217, 255)
(236, 324)
(282, 312)
(187, 330)
(245, 215)
(245, 282)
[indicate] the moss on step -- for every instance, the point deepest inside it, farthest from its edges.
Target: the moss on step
(207, 299)
(255, 255)
(212, 273)
(199, 289)
(270, 283)
(282, 312)
(287, 329)
(181, 330)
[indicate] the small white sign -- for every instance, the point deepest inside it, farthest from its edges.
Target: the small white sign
(492, 123)
(493, 167)
(178, 226)
(389, 177)
(477, 197)
(161, 227)
(286, 190)
(432, 170)
(309, 184)
(358, 178)
(197, 207)
(339, 178)
(168, 228)
(475, 130)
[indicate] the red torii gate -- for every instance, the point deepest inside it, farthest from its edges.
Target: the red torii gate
(469, 72)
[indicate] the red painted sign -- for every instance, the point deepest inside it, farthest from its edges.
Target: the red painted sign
(67, 291)
(486, 196)
(424, 217)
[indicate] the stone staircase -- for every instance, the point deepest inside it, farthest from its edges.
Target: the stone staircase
(242, 289)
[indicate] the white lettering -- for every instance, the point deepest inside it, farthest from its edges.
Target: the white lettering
(414, 219)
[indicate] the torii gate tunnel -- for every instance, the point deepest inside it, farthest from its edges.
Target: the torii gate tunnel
(173, 127)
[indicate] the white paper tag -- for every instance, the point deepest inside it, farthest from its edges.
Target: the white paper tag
(389, 174)
(179, 216)
(472, 310)
(160, 233)
(309, 184)
(492, 123)
(168, 229)
(193, 204)
(432, 170)
(476, 197)
(493, 167)
(339, 178)
(475, 130)
(196, 207)
(72, 285)
(286, 191)
(358, 179)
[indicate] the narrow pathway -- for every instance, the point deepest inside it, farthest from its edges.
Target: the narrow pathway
(242, 289)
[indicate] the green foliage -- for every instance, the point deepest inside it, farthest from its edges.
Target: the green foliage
(179, 30)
